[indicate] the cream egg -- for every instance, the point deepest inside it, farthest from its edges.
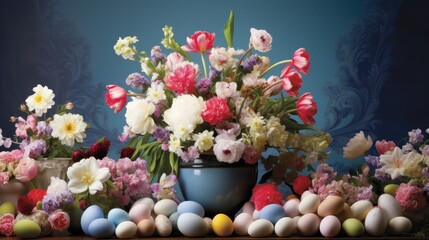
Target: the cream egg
(285, 227)
(260, 228)
(309, 204)
(375, 222)
(360, 209)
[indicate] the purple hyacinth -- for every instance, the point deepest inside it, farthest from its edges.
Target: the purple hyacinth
(251, 62)
(416, 136)
(203, 85)
(43, 129)
(137, 81)
(36, 148)
(52, 202)
(425, 150)
(161, 134)
(373, 161)
(157, 56)
(213, 74)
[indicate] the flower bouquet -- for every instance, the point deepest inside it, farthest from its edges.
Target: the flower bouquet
(228, 108)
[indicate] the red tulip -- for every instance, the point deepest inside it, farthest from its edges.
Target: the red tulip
(301, 60)
(116, 97)
(306, 108)
(384, 146)
(200, 41)
(292, 82)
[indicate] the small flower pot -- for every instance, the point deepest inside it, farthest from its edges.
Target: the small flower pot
(48, 168)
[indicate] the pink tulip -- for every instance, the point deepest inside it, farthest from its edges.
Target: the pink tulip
(384, 146)
(306, 108)
(292, 82)
(200, 41)
(301, 60)
(26, 170)
(116, 97)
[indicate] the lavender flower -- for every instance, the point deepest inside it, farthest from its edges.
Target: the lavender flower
(137, 81)
(203, 85)
(407, 148)
(191, 154)
(36, 148)
(373, 161)
(425, 150)
(52, 202)
(43, 129)
(364, 193)
(213, 74)
(425, 172)
(416, 136)
(161, 134)
(381, 175)
(250, 63)
(157, 56)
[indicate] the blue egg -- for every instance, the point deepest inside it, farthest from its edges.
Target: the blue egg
(272, 213)
(101, 228)
(173, 219)
(90, 214)
(190, 207)
(118, 215)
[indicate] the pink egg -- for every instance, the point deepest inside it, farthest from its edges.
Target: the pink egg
(308, 224)
(139, 212)
(330, 226)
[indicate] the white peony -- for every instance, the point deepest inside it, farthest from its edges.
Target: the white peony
(68, 128)
(41, 100)
(227, 149)
(138, 116)
(227, 90)
(261, 40)
(57, 185)
(357, 146)
(87, 175)
(184, 115)
(174, 145)
(204, 140)
(222, 58)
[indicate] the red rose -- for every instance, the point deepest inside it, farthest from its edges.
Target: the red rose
(264, 194)
(25, 205)
(301, 184)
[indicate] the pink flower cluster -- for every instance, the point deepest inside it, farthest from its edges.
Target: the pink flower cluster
(131, 179)
(410, 197)
(6, 224)
(14, 164)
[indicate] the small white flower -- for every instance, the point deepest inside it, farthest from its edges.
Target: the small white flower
(252, 79)
(357, 146)
(222, 58)
(261, 40)
(156, 93)
(144, 63)
(138, 116)
(123, 47)
(57, 185)
(228, 150)
(204, 140)
(174, 145)
(41, 100)
(87, 175)
(395, 163)
(68, 128)
(227, 90)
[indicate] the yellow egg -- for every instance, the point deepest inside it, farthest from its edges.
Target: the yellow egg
(391, 189)
(222, 225)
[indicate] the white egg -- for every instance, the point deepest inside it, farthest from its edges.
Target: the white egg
(165, 207)
(291, 207)
(330, 226)
(375, 222)
(309, 204)
(260, 228)
(248, 207)
(285, 227)
(192, 225)
(360, 209)
(126, 229)
(163, 226)
(146, 201)
(399, 225)
(308, 224)
(242, 222)
(255, 214)
(305, 194)
(390, 206)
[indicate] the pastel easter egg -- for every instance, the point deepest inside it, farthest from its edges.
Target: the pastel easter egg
(222, 225)
(248, 207)
(7, 207)
(308, 224)
(332, 205)
(272, 213)
(399, 225)
(40, 217)
(165, 207)
(101, 228)
(117, 216)
(242, 222)
(285, 227)
(375, 222)
(163, 226)
(291, 207)
(192, 225)
(146, 201)
(390, 206)
(360, 209)
(305, 194)
(139, 212)
(173, 219)
(126, 229)
(345, 214)
(208, 222)
(26, 229)
(391, 189)
(90, 214)
(146, 228)
(309, 204)
(330, 226)
(260, 228)
(191, 207)
(353, 227)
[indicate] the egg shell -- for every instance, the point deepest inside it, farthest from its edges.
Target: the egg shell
(101, 228)
(390, 206)
(192, 225)
(308, 224)
(285, 227)
(208, 222)
(40, 217)
(330, 226)
(191, 207)
(165, 207)
(139, 212)
(272, 213)
(375, 222)
(332, 205)
(255, 214)
(295, 220)
(360, 209)
(126, 229)
(26, 229)
(222, 225)
(353, 227)
(261, 228)
(117, 216)
(399, 225)
(391, 189)
(248, 207)
(242, 222)
(291, 207)
(163, 226)
(90, 214)
(305, 194)
(309, 204)
(345, 214)
(146, 228)
(173, 219)
(7, 207)
(146, 201)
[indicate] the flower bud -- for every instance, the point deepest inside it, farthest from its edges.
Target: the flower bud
(12, 119)
(23, 107)
(69, 106)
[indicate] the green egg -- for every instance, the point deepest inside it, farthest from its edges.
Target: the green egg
(26, 229)
(7, 207)
(353, 227)
(391, 189)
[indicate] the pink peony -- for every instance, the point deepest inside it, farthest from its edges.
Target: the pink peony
(11, 157)
(4, 178)
(261, 40)
(6, 224)
(384, 146)
(59, 220)
(200, 41)
(182, 80)
(227, 149)
(292, 82)
(26, 170)
(116, 97)
(216, 111)
(410, 198)
(306, 108)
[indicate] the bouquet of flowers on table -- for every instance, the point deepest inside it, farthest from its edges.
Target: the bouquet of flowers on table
(229, 106)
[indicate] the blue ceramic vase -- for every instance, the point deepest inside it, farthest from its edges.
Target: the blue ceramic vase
(218, 187)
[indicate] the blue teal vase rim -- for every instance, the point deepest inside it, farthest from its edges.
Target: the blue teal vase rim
(210, 161)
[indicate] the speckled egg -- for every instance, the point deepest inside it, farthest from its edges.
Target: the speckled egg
(260, 228)
(118, 215)
(126, 229)
(222, 225)
(146, 228)
(308, 224)
(191, 207)
(139, 212)
(165, 207)
(163, 226)
(26, 229)
(272, 213)
(101, 228)
(330, 226)
(242, 222)
(285, 227)
(192, 225)
(291, 207)
(90, 214)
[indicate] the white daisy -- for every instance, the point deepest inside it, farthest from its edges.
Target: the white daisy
(87, 175)
(68, 128)
(41, 100)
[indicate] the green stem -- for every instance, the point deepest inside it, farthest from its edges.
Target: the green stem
(134, 95)
(273, 66)
(204, 64)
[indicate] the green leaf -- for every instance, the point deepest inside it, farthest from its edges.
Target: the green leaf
(228, 30)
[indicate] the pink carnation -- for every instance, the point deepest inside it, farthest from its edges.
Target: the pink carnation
(4, 178)
(410, 197)
(182, 80)
(12, 156)
(216, 111)
(6, 224)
